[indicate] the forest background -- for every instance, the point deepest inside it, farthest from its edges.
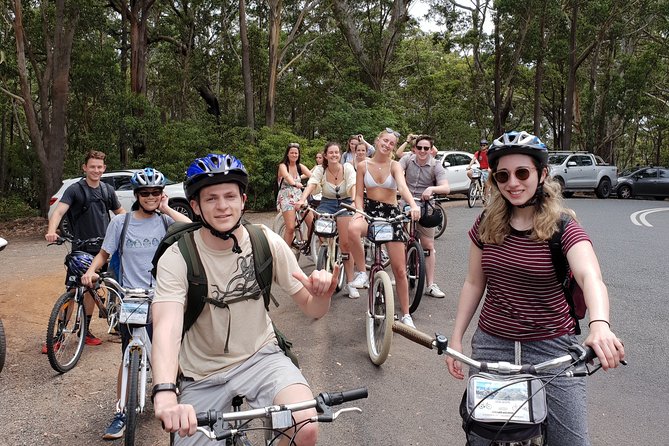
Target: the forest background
(160, 82)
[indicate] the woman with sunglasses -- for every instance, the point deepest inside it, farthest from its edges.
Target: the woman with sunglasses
(525, 315)
(337, 184)
(289, 177)
(379, 179)
(141, 230)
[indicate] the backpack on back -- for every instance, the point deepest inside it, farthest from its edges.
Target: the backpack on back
(182, 234)
(572, 291)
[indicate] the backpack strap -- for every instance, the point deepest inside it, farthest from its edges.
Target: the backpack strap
(263, 262)
(121, 243)
(197, 280)
(561, 266)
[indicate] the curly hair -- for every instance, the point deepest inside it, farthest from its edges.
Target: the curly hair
(496, 224)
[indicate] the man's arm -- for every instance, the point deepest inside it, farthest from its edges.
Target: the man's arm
(314, 297)
(54, 221)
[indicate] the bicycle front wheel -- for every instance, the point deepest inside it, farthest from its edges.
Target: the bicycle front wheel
(131, 409)
(380, 316)
(472, 195)
(441, 227)
(297, 239)
(322, 259)
(337, 260)
(415, 274)
(3, 346)
(66, 333)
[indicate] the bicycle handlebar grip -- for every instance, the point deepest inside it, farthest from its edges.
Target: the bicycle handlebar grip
(413, 335)
(337, 398)
(589, 354)
(206, 418)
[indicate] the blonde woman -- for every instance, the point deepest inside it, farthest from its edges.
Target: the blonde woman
(378, 181)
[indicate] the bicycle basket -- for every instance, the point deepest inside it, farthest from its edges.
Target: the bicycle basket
(135, 311)
(504, 408)
(380, 231)
(325, 227)
(476, 174)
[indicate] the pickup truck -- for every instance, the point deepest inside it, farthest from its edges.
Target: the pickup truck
(582, 171)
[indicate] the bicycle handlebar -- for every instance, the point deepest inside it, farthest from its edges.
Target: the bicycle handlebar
(68, 238)
(322, 403)
(576, 359)
(399, 218)
(325, 215)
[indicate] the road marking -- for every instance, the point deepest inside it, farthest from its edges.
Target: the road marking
(639, 217)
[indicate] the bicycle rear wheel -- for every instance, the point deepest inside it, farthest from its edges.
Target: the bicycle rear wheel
(3, 346)
(415, 262)
(380, 316)
(66, 333)
(131, 409)
(472, 194)
(441, 227)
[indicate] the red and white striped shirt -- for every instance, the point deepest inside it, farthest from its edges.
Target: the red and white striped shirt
(524, 300)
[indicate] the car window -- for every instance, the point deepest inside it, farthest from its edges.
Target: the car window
(583, 160)
(122, 182)
(664, 173)
(556, 159)
(648, 173)
(457, 159)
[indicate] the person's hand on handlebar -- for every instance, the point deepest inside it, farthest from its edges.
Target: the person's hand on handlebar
(51, 237)
(179, 418)
(427, 193)
(301, 203)
(455, 366)
(89, 278)
(415, 213)
(609, 349)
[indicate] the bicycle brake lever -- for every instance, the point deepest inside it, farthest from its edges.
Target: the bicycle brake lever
(328, 418)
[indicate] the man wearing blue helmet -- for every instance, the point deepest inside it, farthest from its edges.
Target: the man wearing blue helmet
(231, 344)
(135, 236)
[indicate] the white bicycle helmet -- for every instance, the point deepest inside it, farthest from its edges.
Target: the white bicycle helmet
(518, 142)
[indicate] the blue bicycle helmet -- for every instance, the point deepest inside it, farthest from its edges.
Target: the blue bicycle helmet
(147, 177)
(214, 169)
(518, 142)
(78, 262)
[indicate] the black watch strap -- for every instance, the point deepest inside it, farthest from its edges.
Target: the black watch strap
(163, 387)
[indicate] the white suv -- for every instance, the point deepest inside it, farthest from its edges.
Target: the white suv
(120, 181)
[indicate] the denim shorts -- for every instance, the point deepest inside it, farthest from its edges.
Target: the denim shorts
(332, 205)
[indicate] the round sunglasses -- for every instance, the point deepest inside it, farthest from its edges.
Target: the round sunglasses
(521, 173)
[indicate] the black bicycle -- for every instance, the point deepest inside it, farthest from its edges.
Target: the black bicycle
(505, 404)
(278, 421)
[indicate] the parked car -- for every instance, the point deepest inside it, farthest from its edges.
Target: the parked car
(455, 163)
(120, 181)
(647, 181)
(582, 171)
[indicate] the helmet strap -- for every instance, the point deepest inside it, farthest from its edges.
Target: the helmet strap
(225, 235)
(538, 196)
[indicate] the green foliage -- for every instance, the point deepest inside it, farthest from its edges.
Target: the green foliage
(15, 206)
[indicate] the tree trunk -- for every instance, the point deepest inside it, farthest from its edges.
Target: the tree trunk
(571, 79)
(122, 147)
(539, 74)
(246, 66)
(275, 7)
(47, 128)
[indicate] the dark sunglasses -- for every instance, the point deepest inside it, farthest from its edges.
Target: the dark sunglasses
(426, 148)
(393, 132)
(146, 193)
(337, 196)
(293, 144)
(502, 176)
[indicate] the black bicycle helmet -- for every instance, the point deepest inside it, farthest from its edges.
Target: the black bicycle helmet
(147, 177)
(214, 169)
(78, 262)
(430, 215)
(518, 143)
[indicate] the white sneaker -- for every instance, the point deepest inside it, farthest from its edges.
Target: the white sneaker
(352, 291)
(361, 280)
(434, 291)
(406, 320)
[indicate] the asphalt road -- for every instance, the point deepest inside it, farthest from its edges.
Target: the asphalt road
(412, 398)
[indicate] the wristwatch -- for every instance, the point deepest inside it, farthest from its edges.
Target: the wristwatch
(163, 387)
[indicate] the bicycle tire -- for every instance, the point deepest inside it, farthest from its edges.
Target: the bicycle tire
(441, 227)
(472, 195)
(296, 252)
(415, 262)
(380, 317)
(322, 259)
(66, 335)
(341, 280)
(133, 395)
(3, 346)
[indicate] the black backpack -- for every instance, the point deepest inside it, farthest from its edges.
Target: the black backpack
(182, 233)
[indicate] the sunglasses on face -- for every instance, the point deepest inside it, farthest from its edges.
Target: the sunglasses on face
(146, 193)
(426, 148)
(522, 173)
(392, 132)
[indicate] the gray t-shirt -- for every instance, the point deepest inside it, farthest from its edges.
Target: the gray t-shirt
(421, 177)
(141, 241)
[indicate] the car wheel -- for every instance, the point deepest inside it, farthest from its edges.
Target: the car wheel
(604, 188)
(560, 181)
(624, 191)
(567, 194)
(182, 207)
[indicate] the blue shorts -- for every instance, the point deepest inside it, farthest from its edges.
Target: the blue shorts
(331, 205)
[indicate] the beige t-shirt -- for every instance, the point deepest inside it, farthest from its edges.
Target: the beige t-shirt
(229, 276)
(328, 189)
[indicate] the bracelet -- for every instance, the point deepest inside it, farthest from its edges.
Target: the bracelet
(163, 387)
(599, 320)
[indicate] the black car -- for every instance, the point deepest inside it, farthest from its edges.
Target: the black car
(645, 182)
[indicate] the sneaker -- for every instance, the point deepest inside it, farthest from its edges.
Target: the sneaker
(406, 320)
(92, 340)
(56, 347)
(116, 428)
(434, 291)
(352, 291)
(361, 280)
